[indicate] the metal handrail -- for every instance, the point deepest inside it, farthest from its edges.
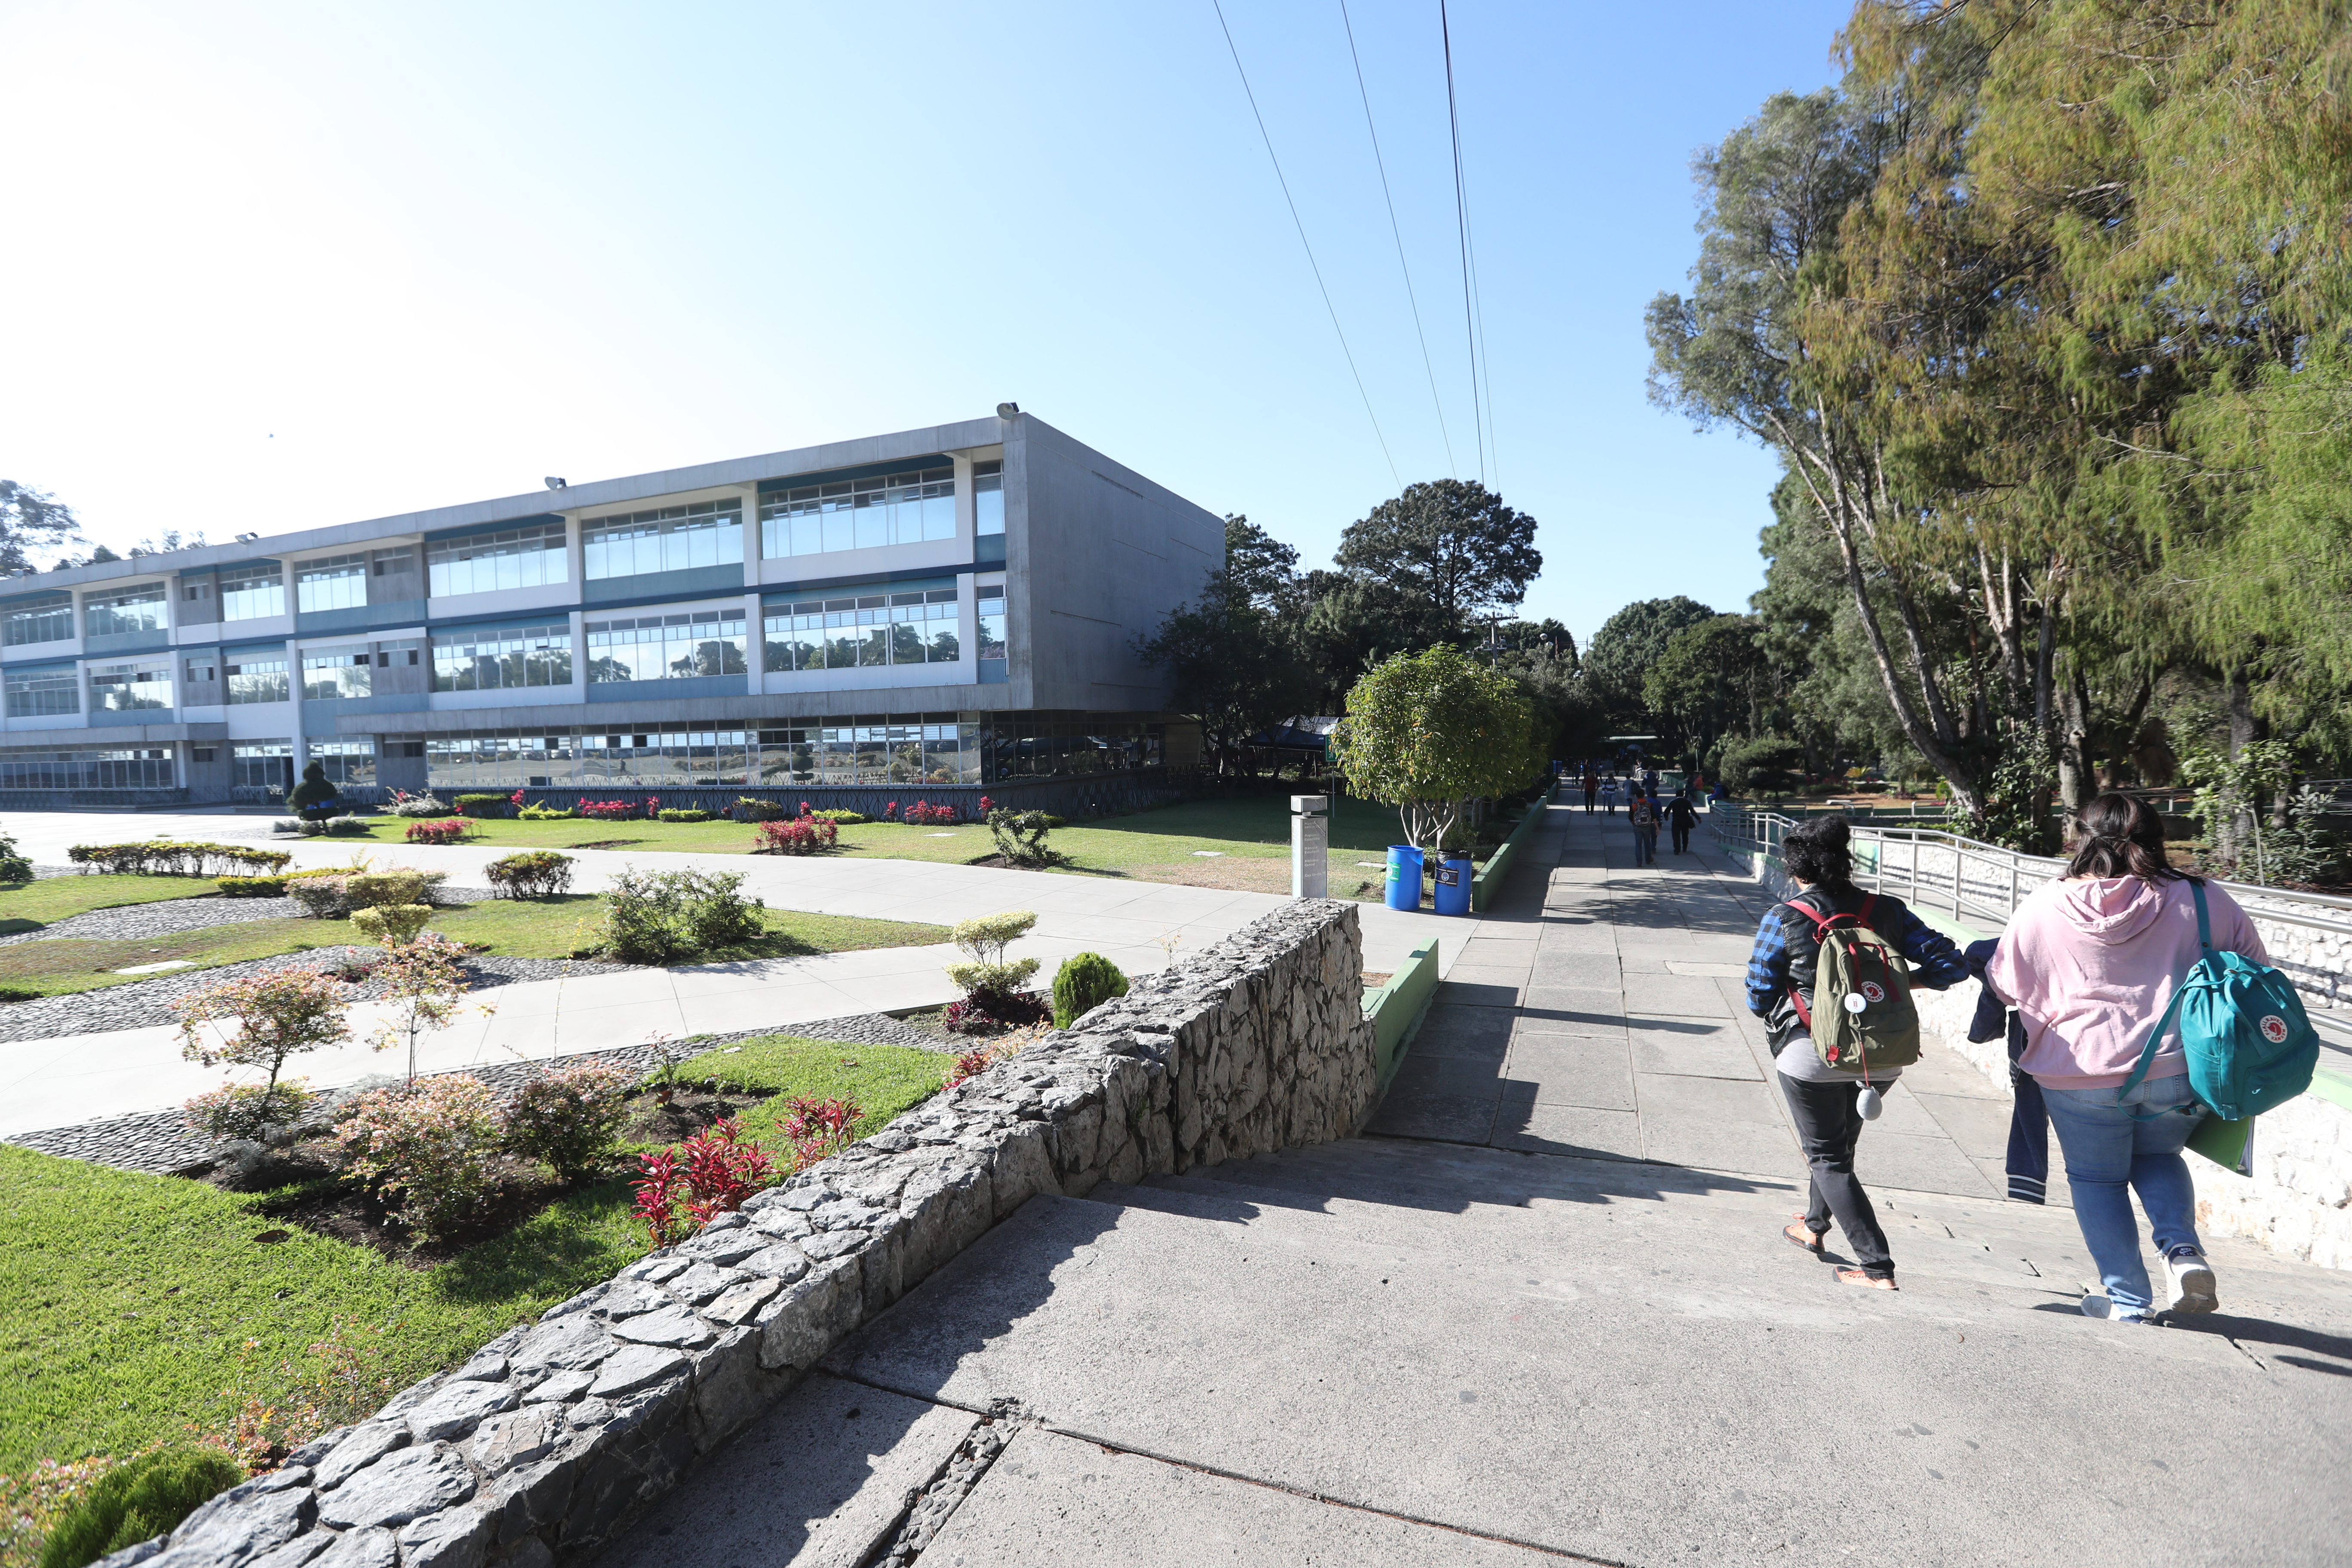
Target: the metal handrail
(2010, 874)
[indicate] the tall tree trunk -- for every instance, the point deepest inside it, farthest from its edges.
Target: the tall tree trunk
(2076, 783)
(2243, 725)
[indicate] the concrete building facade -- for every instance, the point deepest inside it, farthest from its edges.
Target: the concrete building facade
(951, 609)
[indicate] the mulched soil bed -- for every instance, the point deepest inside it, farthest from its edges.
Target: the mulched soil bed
(344, 1211)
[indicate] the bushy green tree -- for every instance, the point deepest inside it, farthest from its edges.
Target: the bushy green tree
(1428, 733)
(1451, 544)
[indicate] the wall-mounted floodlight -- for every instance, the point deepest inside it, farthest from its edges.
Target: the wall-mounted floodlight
(1008, 410)
(246, 538)
(554, 483)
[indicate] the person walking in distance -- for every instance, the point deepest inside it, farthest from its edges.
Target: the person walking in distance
(1825, 1101)
(1642, 812)
(1591, 787)
(2090, 962)
(1682, 816)
(1609, 795)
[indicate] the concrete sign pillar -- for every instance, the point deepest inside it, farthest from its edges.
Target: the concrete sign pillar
(1310, 845)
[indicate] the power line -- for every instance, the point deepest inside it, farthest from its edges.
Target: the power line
(1300, 224)
(1480, 413)
(1399, 235)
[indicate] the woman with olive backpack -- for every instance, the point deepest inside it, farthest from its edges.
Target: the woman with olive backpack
(1831, 977)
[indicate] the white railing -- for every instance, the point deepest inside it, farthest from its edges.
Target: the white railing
(1968, 879)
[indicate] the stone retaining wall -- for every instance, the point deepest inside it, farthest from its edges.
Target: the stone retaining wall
(557, 1434)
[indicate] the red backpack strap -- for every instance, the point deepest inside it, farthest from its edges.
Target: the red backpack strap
(1869, 902)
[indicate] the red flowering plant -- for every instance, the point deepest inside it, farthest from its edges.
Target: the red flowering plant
(924, 814)
(891, 811)
(439, 830)
(688, 1186)
(819, 1128)
(801, 836)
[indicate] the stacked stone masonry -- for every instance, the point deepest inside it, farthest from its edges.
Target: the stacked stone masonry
(556, 1434)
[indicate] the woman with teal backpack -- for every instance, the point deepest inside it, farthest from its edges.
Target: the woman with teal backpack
(2094, 963)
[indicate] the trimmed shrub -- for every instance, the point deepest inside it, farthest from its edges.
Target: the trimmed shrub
(484, 806)
(837, 817)
(139, 1500)
(431, 1148)
(285, 825)
(248, 1111)
(800, 836)
(252, 887)
(747, 809)
(660, 917)
(173, 858)
(1021, 837)
(1085, 982)
(391, 923)
(529, 874)
(548, 814)
(990, 1009)
(675, 813)
(13, 866)
(314, 797)
(346, 827)
(403, 804)
(620, 810)
(571, 1117)
(365, 890)
(449, 830)
(984, 938)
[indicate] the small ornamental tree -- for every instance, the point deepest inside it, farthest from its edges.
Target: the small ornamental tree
(423, 987)
(993, 998)
(279, 1014)
(1430, 731)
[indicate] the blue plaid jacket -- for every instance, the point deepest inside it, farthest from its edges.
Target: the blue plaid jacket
(1788, 947)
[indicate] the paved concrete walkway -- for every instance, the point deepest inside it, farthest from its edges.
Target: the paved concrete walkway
(1599, 1010)
(1138, 925)
(1551, 1314)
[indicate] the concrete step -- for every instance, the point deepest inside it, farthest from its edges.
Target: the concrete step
(1633, 1405)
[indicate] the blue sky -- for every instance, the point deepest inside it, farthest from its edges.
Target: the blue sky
(276, 266)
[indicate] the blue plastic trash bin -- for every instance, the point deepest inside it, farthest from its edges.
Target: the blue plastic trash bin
(1453, 874)
(1404, 877)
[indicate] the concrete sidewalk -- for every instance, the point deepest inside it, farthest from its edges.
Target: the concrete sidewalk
(1140, 926)
(1603, 1016)
(1551, 1314)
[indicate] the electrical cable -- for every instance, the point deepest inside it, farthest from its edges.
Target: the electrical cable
(1480, 414)
(1397, 233)
(1300, 223)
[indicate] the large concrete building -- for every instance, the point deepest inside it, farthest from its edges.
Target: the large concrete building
(951, 607)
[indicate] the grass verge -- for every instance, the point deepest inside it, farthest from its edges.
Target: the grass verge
(129, 1302)
(29, 906)
(507, 928)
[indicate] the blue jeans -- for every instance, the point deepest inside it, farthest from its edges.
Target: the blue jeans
(2108, 1152)
(1645, 846)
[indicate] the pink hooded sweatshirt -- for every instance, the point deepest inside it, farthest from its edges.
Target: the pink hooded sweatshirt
(2091, 965)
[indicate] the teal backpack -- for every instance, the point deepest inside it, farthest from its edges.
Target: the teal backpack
(2242, 1027)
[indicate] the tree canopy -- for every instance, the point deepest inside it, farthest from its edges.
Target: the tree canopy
(1452, 545)
(1429, 732)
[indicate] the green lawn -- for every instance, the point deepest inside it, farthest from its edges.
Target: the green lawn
(509, 927)
(126, 1300)
(29, 906)
(1161, 844)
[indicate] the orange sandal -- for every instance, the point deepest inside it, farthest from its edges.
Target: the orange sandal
(1802, 1234)
(1856, 1277)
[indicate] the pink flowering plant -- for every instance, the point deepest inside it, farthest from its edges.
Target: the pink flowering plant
(278, 1015)
(684, 1187)
(432, 1150)
(571, 1117)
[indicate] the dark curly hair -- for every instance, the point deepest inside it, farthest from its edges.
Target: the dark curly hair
(1817, 853)
(2120, 836)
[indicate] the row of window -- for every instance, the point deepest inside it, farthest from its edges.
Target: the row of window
(685, 646)
(859, 514)
(89, 767)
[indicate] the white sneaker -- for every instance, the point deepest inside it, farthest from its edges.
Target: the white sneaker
(2192, 1284)
(2100, 1308)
